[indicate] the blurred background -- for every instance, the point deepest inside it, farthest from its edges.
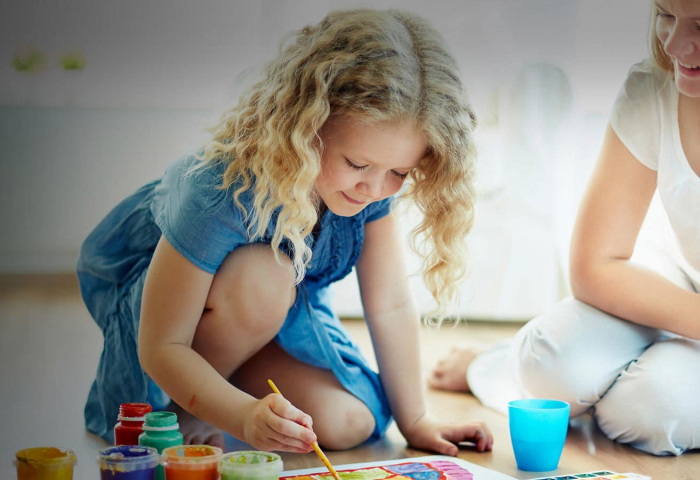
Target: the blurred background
(97, 98)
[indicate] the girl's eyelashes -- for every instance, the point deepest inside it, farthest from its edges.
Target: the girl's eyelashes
(402, 176)
(352, 165)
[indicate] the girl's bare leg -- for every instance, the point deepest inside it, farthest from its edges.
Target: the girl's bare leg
(247, 305)
(340, 420)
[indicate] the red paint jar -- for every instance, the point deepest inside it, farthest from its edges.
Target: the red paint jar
(130, 426)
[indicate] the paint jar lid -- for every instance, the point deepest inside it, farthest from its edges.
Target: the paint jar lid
(45, 457)
(133, 412)
(191, 457)
(128, 458)
(249, 463)
(160, 421)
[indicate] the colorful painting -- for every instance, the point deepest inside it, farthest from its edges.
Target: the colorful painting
(421, 468)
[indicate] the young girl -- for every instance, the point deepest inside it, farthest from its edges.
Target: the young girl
(219, 272)
(627, 345)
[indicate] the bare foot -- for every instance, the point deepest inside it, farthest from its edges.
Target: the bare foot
(196, 431)
(450, 373)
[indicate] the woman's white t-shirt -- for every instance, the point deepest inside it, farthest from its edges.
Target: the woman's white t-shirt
(645, 118)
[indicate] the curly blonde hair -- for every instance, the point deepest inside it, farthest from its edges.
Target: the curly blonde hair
(658, 53)
(376, 66)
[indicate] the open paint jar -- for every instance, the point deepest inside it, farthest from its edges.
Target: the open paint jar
(250, 465)
(191, 462)
(128, 462)
(45, 463)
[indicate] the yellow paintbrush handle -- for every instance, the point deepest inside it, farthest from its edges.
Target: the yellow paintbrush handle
(320, 454)
(325, 460)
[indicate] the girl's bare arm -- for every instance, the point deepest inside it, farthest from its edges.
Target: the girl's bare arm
(394, 325)
(174, 296)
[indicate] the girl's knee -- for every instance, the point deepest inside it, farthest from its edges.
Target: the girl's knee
(348, 428)
(252, 291)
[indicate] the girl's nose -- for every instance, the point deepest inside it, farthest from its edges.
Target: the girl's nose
(371, 187)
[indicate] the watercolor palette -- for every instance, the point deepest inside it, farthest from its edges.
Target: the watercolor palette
(601, 475)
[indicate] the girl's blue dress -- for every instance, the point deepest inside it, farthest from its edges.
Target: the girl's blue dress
(204, 224)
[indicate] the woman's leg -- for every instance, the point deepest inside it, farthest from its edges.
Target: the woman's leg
(653, 404)
(575, 352)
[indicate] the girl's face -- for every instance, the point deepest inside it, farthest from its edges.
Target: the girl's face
(365, 163)
(678, 27)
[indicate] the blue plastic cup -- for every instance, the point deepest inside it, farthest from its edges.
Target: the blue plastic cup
(538, 432)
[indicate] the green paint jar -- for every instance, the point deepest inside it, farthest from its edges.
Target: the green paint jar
(250, 465)
(160, 431)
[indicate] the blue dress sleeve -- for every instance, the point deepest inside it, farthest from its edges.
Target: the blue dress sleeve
(379, 209)
(200, 220)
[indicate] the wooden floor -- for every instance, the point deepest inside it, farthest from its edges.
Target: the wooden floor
(49, 348)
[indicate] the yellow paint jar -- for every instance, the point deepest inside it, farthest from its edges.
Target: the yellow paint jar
(45, 463)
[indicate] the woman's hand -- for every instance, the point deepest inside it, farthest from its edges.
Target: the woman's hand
(442, 437)
(275, 424)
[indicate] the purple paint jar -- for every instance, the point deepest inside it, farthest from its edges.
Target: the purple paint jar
(128, 462)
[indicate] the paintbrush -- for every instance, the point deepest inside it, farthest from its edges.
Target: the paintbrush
(320, 454)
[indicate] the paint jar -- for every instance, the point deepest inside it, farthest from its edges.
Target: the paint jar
(160, 431)
(45, 463)
(191, 462)
(128, 462)
(250, 465)
(130, 423)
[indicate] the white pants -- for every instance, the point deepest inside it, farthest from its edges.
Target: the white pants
(641, 384)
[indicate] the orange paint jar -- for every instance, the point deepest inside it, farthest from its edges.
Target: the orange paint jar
(191, 462)
(45, 463)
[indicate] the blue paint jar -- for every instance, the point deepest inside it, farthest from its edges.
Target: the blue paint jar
(128, 462)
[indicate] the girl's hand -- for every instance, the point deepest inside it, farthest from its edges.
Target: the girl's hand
(275, 424)
(442, 437)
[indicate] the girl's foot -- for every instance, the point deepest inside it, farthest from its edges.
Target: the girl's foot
(196, 431)
(450, 373)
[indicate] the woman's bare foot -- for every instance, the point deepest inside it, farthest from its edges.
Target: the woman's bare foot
(196, 431)
(450, 373)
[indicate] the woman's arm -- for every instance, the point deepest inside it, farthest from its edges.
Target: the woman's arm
(394, 322)
(607, 226)
(173, 301)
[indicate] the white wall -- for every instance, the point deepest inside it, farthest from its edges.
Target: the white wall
(75, 143)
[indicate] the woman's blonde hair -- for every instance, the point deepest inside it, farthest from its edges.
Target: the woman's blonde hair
(658, 53)
(375, 66)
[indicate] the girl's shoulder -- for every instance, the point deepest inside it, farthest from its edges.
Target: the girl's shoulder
(189, 180)
(196, 215)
